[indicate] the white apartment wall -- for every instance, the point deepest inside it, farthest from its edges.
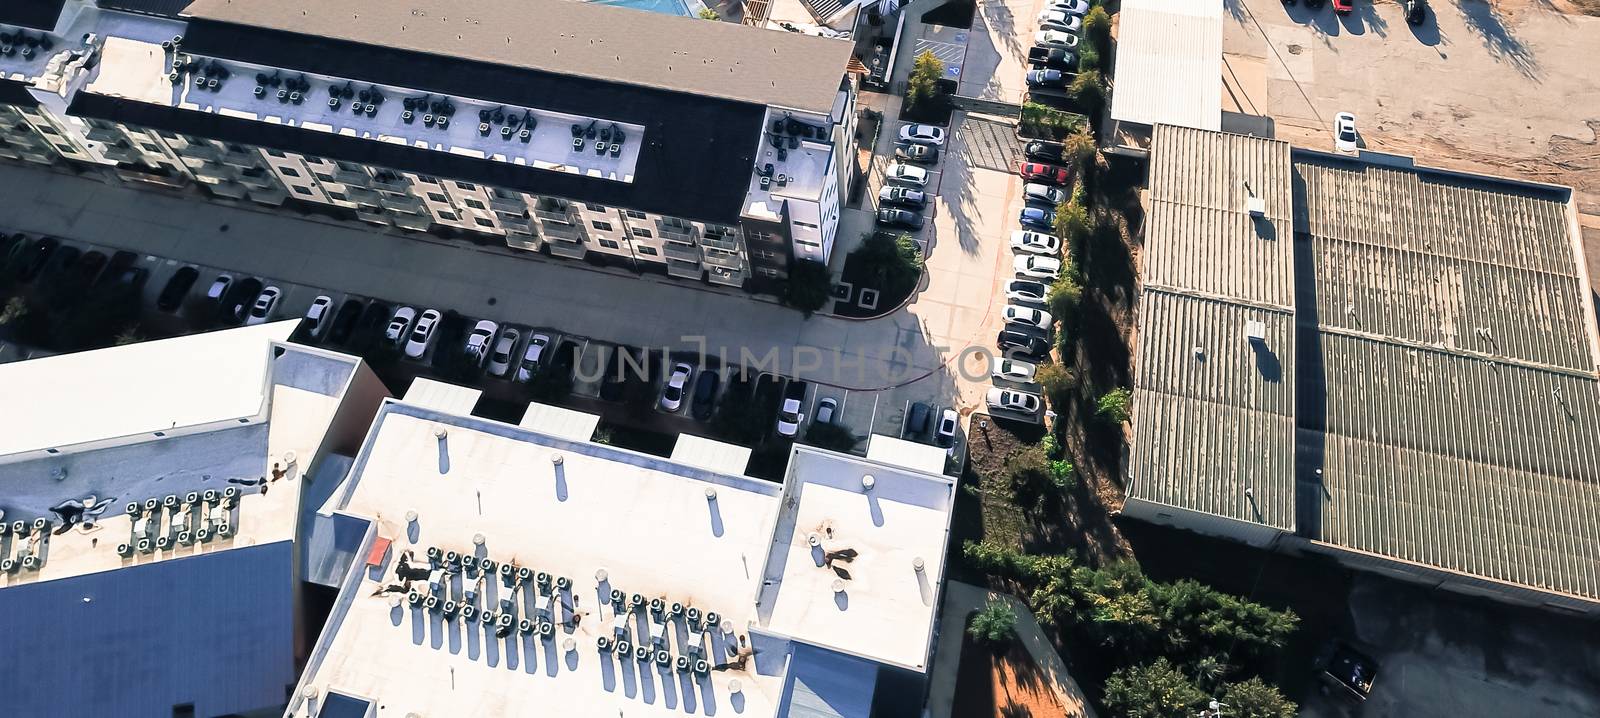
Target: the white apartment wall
(806, 230)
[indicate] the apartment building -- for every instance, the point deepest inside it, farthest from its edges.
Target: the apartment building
(699, 150)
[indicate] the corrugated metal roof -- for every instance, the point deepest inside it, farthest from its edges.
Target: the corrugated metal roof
(1213, 422)
(1169, 63)
(1428, 258)
(1200, 236)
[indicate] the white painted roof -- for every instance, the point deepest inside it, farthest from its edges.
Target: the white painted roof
(709, 454)
(448, 398)
(559, 421)
(69, 399)
(1169, 63)
(909, 454)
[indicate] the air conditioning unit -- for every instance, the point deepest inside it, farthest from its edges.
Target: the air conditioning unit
(1255, 331)
(1257, 206)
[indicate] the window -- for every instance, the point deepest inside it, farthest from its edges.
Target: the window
(636, 214)
(339, 196)
(609, 244)
(768, 272)
(645, 233)
(467, 186)
(435, 196)
(324, 176)
(594, 207)
(147, 147)
(290, 171)
(274, 153)
(646, 251)
(301, 190)
(475, 204)
(427, 178)
(449, 216)
(602, 226)
(481, 222)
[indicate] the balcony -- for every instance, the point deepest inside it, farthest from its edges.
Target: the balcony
(416, 222)
(677, 232)
(352, 176)
(228, 189)
(721, 240)
(269, 197)
(119, 153)
(567, 248)
(262, 180)
(401, 203)
(371, 214)
(724, 259)
(514, 204)
(390, 181)
(727, 277)
(105, 135)
(360, 194)
(679, 253)
(528, 243)
(683, 270)
(242, 159)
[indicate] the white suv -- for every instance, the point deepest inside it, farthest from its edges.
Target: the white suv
(478, 341)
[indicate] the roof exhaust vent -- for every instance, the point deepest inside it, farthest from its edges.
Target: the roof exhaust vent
(1256, 206)
(917, 564)
(1255, 331)
(439, 431)
(867, 482)
(557, 459)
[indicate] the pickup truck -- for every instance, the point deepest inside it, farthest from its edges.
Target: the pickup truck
(1052, 58)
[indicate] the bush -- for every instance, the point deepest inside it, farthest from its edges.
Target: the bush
(1088, 57)
(1072, 223)
(1064, 296)
(1255, 698)
(1088, 88)
(1056, 380)
(994, 623)
(809, 286)
(1063, 474)
(1097, 27)
(923, 84)
(1047, 122)
(1113, 405)
(893, 265)
(1155, 690)
(1029, 468)
(1078, 149)
(708, 14)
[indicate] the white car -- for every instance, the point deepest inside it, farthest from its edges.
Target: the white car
(1015, 370)
(1053, 19)
(1013, 400)
(1055, 38)
(319, 316)
(1025, 290)
(945, 433)
(1344, 132)
(1023, 240)
(500, 358)
(922, 134)
(672, 396)
(1027, 316)
(531, 357)
(825, 409)
(399, 324)
(479, 339)
(1071, 7)
(266, 301)
(219, 288)
(1035, 267)
(907, 174)
(1040, 192)
(422, 334)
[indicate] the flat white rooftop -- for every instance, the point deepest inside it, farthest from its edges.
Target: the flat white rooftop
(1169, 63)
(138, 70)
(793, 165)
(605, 518)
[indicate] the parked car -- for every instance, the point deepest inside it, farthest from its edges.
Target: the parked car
(265, 302)
(1052, 58)
(1031, 242)
(1041, 192)
(177, 287)
(349, 315)
(1015, 370)
(422, 334)
(478, 341)
(789, 416)
(399, 325)
(1025, 290)
(890, 217)
(913, 152)
(1416, 11)
(1343, 7)
(917, 418)
(89, 267)
(1344, 132)
(1071, 7)
(505, 350)
(61, 261)
(945, 434)
(904, 196)
(218, 290)
(1055, 19)
(825, 411)
(672, 393)
(1037, 217)
(1013, 400)
(1042, 150)
(1046, 78)
(1055, 38)
(907, 174)
(1043, 172)
(705, 395)
(1036, 267)
(1015, 340)
(319, 316)
(922, 134)
(236, 304)
(1027, 317)
(532, 356)
(37, 257)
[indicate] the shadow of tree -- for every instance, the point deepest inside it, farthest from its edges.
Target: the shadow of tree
(1483, 18)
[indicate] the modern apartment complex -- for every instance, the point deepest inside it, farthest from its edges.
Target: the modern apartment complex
(701, 150)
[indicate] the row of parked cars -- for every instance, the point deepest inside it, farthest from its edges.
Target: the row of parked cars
(905, 191)
(1053, 59)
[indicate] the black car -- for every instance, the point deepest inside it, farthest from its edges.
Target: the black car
(705, 389)
(917, 418)
(1041, 150)
(920, 154)
(344, 321)
(89, 266)
(38, 255)
(1052, 58)
(237, 301)
(61, 261)
(899, 218)
(120, 263)
(1013, 340)
(1416, 11)
(176, 289)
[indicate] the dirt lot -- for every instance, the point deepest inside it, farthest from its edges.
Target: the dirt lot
(1505, 87)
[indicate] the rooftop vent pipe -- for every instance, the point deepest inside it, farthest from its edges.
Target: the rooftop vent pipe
(867, 482)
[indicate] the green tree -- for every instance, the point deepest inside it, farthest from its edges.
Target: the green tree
(831, 436)
(923, 84)
(1088, 57)
(1078, 148)
(1072, 223)
(1088, 88)
(1064, 296)
(809, 285)
(892, 263)
(1255, 698)
(1113, 405)
(1153, 690)
(994, 623)
(708, 14)
(1097, 27)
(1056, 380)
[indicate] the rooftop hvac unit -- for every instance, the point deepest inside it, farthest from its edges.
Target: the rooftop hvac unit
(1257, 206)
(1255, 331)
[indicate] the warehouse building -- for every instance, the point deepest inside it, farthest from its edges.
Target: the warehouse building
(1391, 365)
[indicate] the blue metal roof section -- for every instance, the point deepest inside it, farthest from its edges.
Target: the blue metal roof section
(828, 684)
(340, 705)
(216, 630)
(314, 370)
(331, 545)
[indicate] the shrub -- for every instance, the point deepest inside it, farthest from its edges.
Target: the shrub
(1097, 27)
(1064, 296)
(1078, 149)
(994, 623)
(708, 14)
(1047, 122)
(923, 84)
(1063, 473)
(1088, 88)
(1050, 444)
(1088, 57)
(1056, 380)
(892, 264)
(1154, 690)
(1072, 223)
(1255, 698)
(809, 286)
(1113, 405)
(1029, 468)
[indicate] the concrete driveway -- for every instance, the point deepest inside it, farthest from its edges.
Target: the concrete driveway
(997, 50)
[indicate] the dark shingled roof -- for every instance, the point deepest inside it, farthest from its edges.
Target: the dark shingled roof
(36, 14)
(575, 39)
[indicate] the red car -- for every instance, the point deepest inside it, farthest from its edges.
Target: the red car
(1042, 172)
(1343, 7)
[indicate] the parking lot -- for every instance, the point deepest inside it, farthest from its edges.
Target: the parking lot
(1504, 87)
